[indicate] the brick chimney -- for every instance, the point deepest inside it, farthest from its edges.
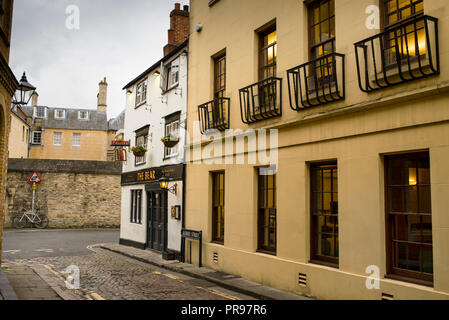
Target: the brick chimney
(34, 99)
(179, 28)
(102, 96)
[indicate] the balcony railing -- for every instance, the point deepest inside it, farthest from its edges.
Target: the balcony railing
(261, 100)
(214, 115)
(317, 82)
(404, 53)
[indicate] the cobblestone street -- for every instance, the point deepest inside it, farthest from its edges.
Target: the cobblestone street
(109, 276)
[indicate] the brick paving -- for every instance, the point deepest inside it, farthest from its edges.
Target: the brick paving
(106, 275)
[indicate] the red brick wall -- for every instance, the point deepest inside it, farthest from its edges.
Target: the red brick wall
(179, 28)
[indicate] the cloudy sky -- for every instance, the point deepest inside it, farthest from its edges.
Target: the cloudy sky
(116, 39)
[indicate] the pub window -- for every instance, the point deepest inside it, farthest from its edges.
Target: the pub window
(321, 28)
(409, 217)
(170, 75)
(218, 206)
(324, 214)
(141, 93)
(136, 206)
(267, 211)
(267, 53)
(172, 129)
(141, 140)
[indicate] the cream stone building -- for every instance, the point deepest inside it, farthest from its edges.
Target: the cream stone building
(71, 134)
(19, 134)
(8, 85)
(356, 205)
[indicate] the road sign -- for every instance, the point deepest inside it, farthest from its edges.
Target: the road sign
(34, 178)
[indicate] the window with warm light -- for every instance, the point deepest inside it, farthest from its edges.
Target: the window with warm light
(409, 41)
(321, 28)
(409, 217)
(266, 218)
(268, 53)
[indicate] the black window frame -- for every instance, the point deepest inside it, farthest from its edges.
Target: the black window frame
(266, 212)
(316, 213)
(136, 207)
(218, 202)
(394, 231)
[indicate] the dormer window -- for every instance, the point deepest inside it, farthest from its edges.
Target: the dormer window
(59, 114)
(40, 112)
(83, 115)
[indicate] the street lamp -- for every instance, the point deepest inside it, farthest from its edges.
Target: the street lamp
(24, 92)
(163, 182)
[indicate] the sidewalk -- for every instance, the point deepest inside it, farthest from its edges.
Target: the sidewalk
(225, 280)
(20, 282)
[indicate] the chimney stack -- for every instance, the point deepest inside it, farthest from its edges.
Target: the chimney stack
(102, 96)
(34, 99)
(179, 28)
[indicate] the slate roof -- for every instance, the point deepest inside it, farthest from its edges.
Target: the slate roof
(97, 120)
(118, 122)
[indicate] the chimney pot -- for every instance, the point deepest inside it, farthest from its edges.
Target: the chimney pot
(186, 8)
(177, 6)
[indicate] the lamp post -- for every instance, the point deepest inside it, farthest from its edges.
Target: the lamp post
(24, 92)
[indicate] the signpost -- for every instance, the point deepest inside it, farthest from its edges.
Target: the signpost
(34, 179)
(194, 235)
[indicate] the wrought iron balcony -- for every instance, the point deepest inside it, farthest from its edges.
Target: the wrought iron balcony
(407, 52)
(317, 82)
(261, 100)
(214, 115)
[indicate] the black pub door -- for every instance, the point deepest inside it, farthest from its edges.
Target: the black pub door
(157, 220)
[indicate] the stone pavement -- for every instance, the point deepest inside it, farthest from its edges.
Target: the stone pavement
(225, 280)
(26, 284)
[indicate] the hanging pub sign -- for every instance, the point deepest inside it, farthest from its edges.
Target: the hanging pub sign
(175, 172)
(120, 143)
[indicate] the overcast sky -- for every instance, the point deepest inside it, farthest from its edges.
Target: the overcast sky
(117, 39)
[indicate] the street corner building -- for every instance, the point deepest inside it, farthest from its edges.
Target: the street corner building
(361, 179)
(155, 118)
(8, 85)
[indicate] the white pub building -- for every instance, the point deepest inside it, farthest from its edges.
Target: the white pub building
(152, 214)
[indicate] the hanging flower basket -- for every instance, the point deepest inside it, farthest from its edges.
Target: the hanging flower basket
(139, 151)
(170, 141)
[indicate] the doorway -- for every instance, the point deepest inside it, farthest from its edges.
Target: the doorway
(157, 220)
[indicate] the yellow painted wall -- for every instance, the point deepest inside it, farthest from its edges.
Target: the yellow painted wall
(93, 146)
(18, 138)
(357, 132)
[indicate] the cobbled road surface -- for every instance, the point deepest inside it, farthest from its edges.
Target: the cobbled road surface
(107, 275)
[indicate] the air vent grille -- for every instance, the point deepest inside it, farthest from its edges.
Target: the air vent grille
(302, 279)
(215, 257)
(386, 296)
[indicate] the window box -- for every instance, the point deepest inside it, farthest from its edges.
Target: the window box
(139, 151)
(170, 141)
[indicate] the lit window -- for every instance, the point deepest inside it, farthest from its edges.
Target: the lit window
(77, 139)
(57, 138)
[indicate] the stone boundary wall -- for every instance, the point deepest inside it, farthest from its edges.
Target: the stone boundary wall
(73, 193)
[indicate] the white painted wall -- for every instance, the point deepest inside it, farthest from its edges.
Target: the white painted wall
(152, 113)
